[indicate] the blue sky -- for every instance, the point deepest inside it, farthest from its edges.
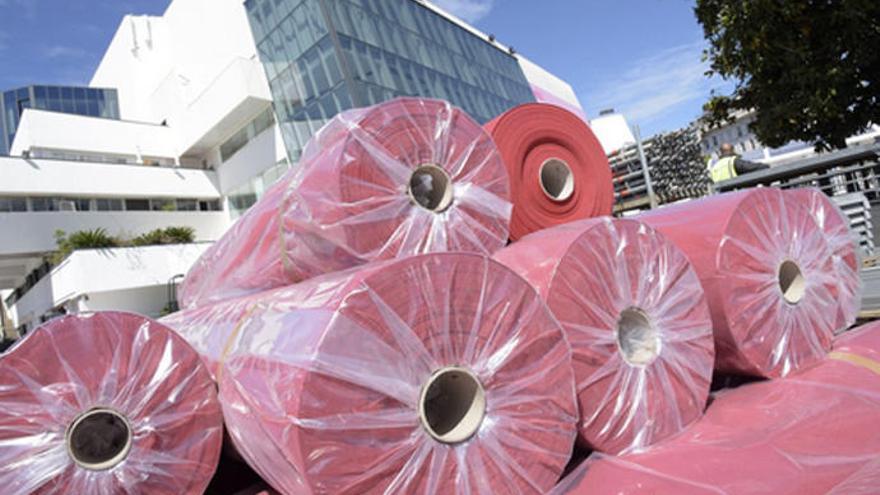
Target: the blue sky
(60, 41)
(641, 57)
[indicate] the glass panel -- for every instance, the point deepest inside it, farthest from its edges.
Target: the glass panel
(137, 204)
(162, 204)
(12, 204)
(391, 47)
(108, 204)
(187, 205)
(210, 205)
(44, 204)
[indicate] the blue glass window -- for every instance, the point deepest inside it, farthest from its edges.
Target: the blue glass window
(377, 50)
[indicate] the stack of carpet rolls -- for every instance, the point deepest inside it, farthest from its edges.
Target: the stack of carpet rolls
(425, 305)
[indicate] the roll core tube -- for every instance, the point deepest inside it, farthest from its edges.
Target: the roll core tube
(452, 404)
(556, 179)
(637, 339)
(430, 187)
(99, 439)
(792, 283)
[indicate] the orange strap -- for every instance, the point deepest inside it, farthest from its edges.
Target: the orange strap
(857, 360)
(227, 347)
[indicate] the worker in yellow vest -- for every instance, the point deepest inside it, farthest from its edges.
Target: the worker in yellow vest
(730, 165)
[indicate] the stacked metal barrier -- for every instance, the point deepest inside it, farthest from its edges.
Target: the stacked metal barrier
(851, 170)
(672, 169)
(857, 209)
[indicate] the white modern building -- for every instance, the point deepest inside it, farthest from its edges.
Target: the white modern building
(192, 114)
(738, 134)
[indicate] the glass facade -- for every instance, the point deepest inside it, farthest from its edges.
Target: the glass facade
(20, 204)
(325, 56)
(94, 102)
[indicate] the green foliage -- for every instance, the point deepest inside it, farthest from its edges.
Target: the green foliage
(98, 238)
(810, 69)
(82, 239)
(150, 238)
(181, 235)
(170, 235)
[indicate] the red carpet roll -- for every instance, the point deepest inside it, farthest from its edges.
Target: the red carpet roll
(403, 177)
(811, 433)
(104, 404)
(846, 261)
(434, 374)
(768, 275)
(637, 320)
(209, 328)
(558, 170)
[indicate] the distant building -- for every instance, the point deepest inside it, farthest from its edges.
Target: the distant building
(191, 115)
(749, 147)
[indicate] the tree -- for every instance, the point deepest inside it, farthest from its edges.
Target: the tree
(809, 68)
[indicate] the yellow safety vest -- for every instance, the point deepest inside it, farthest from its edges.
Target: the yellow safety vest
(724, 168)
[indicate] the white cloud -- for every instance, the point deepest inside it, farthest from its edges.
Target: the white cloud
(469, 10)
(657, 85)
(64, 51)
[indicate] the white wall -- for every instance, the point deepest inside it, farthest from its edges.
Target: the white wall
(138, 59)
(159, 64)
(234, 97)
(62, 131)
(612, 131)
(19, 176)
(265, 150)
(148, 301)
(548, 88)
(130, 279)
(34, 232)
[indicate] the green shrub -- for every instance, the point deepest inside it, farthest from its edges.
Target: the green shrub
(170, 235)
(81, 239)
(180, 235)
(150, 238)
(98, 238)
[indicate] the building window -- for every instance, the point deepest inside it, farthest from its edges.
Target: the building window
(187, 205)
(247, 133)
(137, 204)
(44, 204)
(108, 204)
(391, 49)
(210, 205)
(162, 205)
(13, 205)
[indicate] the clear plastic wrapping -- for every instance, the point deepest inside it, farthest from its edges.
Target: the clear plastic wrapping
(403, 177)
(106, 403)
(558, 169)
(636, 317)
(434, 374)
(768, 274)
(811, 433)
(845, 255)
